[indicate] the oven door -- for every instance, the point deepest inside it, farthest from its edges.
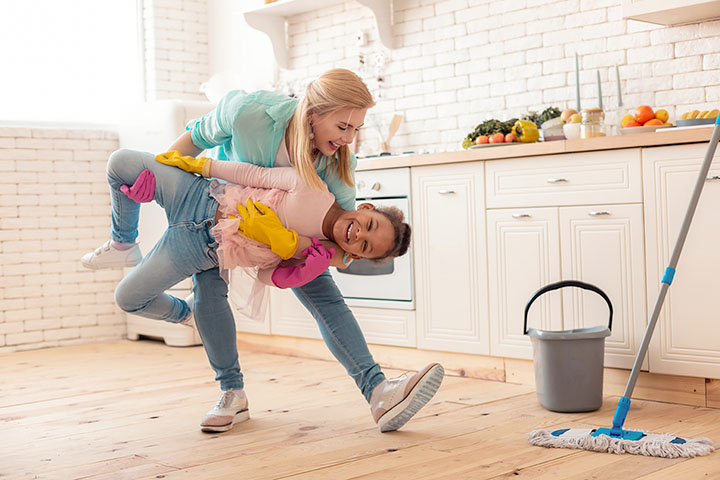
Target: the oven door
(387, 284)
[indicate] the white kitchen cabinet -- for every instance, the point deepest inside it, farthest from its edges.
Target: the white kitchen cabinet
(535, 243)
(381, 326)
(603, 245)
(686, 339)
(523, 255)
(450, 257)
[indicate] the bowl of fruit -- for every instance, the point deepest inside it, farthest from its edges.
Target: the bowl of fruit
(644, 119)
(571, 123)
(697, 117)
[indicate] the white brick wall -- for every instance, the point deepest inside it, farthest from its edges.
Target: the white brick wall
(176, 48)
(458, 62)
(54, 207)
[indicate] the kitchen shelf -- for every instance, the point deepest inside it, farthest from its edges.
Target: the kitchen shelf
(272, 18)
(671, 12)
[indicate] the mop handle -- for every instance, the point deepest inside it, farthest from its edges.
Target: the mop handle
(670, 270)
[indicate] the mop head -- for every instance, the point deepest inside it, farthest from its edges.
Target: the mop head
(651, 444)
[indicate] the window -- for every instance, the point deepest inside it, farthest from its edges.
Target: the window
(69, 62)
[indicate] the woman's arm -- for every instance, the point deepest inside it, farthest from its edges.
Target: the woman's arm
(185, 145)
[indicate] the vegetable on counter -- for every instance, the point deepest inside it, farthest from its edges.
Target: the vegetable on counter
(538, 119)
(525, 131)
(486, 129)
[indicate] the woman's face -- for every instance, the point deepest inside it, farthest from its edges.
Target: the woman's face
(364, 233)
(333, 130)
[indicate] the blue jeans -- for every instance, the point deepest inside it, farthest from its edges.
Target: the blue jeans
(188, 249)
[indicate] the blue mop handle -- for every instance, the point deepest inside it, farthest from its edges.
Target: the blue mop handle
(624, 403)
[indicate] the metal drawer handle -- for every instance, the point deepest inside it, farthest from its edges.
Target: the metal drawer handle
(556, 180)
(714, 177)
(447, 192)
(597, 214)
(521, 215)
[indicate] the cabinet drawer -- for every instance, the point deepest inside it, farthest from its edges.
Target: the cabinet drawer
(569, 179)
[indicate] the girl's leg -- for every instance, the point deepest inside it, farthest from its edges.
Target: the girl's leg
(340, 330)
(171, 191)
(216, 325)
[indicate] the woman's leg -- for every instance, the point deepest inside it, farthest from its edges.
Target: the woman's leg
(216, 325)
(340, 330)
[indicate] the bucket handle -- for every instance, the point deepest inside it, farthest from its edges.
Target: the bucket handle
(568, 283)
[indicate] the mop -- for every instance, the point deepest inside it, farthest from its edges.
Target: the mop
(616, 439)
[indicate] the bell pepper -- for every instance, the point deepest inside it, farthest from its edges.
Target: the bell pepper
(526, 132)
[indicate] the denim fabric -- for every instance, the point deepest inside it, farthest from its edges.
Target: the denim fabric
(186, 249)
(340, 331)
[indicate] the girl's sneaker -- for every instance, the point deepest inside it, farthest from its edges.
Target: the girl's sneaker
(393, 402)
(106, 256)
(232, 408)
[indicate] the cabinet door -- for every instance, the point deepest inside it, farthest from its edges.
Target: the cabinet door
(523, 256)
(686, 340)
(450, 257)
(603, 245)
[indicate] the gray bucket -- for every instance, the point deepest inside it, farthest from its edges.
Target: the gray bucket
(569, 363)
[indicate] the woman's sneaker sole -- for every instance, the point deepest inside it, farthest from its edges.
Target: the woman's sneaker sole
(418, 397)
(241, 416)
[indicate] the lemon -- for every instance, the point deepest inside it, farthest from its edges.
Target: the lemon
(662, 115)
(627, 118)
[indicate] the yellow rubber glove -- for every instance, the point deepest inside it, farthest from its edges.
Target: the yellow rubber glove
(260, 223)
(199, 165)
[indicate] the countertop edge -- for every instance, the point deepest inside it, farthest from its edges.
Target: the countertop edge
(650, 139)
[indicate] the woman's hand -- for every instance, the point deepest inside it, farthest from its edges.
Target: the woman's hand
(260, 223)
(199, 165)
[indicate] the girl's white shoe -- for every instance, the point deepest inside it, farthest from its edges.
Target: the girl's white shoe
(106, 256)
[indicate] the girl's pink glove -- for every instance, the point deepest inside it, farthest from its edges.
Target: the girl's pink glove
(317, 261)
(143, 190)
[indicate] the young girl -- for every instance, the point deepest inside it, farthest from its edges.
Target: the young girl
(310, 135)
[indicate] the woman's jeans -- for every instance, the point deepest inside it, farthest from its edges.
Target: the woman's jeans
(188, 249)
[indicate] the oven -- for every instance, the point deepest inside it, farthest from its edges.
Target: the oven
(388, 284)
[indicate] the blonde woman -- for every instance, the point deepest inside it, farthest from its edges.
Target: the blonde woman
(311, 135)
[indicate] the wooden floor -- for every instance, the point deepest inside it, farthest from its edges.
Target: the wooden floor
(130, 410)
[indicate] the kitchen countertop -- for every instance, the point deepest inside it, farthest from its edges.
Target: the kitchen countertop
(673, 136)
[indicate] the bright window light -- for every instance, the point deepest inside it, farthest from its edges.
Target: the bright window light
(69, 62)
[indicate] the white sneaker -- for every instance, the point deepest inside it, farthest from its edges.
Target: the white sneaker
(232, 408)
(394, 402)
(106, 256)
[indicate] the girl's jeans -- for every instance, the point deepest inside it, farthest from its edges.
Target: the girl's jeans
(188, 249)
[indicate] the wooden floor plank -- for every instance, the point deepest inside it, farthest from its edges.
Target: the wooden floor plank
(130, 410)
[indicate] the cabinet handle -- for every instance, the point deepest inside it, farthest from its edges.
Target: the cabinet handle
(714, 177)
(447, 192)
(597, 214)
(556, 180)
(521, 215)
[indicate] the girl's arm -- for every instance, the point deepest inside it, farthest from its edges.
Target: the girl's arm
(282, 178)
(316, 262)
(335, 261)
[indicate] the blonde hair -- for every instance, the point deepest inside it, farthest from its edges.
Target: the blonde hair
(334, 90)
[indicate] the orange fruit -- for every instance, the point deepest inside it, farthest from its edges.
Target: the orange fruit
(643, 113)
(652, 121)
(632, 123)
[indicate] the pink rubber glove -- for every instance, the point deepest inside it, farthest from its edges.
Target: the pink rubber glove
(317, 261)
(143, 190)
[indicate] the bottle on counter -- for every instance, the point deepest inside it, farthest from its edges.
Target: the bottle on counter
(592, 123)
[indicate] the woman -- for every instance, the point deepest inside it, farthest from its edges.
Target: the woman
(311, 135)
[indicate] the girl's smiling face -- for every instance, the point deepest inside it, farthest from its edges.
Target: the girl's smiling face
(364, 233)
(333, 130)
